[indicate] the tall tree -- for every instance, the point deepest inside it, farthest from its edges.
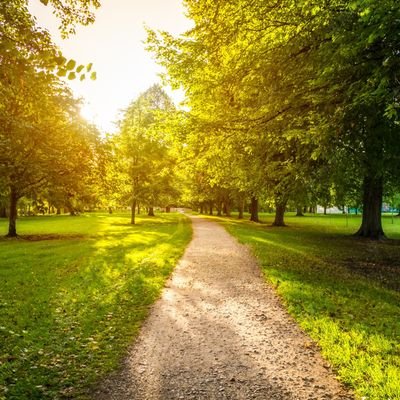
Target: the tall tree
(142, 150)
(324, 73)
(36, 109)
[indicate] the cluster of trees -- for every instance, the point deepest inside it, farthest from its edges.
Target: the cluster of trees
(51, 159)
(290, 102)
(141, 163)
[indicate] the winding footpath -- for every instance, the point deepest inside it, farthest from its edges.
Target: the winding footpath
(220, 332)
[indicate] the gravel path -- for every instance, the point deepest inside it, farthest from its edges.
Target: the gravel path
(219, 332)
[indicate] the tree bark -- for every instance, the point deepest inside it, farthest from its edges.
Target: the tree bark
(219, 209)
(241, 209)
(254, 210)
(299, 212)
(211, 207)
(227, 209)
(3, 212)
(280, 207)
(151, 212)
(133, 212)
(168, 209)
(12, 219)
(371, 225)
(325, 210)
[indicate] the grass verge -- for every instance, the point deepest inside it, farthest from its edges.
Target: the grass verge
(343, 291)
(74, 291)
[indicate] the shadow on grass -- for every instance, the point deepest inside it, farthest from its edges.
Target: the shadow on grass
(69, 308)
(347, 309)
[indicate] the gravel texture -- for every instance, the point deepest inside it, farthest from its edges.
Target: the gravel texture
(220, 332)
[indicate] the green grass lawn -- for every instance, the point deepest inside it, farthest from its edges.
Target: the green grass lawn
(74, 291)
(342, 290)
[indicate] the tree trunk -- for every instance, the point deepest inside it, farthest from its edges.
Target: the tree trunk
(3, 212)
(241, 209)
(12, 219)
(71, 209)
(304, 209)
(58, 210)
(168, 209)
(201, 208)
(219, 209)
(133, 211)
(110, 210)
(299, 212)
(280, 207)
(211, 208)
(151, 211)
(254, 210)
(227, 209)
(138, 208)
(371, 225)
(325, 210)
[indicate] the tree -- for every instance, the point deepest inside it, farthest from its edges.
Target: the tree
(364, 81)
(41, 144)
(239, 78)
(142, 150)
(324, 74)
(37, 136)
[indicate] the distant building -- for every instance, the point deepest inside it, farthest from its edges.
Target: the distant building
(329, 210)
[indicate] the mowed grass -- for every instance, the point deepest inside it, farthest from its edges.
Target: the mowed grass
(74, 291)
(342, 290)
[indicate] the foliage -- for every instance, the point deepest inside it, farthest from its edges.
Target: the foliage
(72, 12)
(292, 84)
(143, 162)
(43, 140)
(74, 294)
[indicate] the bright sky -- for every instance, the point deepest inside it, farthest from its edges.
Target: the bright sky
(114, 43)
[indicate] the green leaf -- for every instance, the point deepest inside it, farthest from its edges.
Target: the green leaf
(89, 67)
(60, 60)
(93, 76)
(80, 68)
(83, 77)
(70, 65)
(71, 76)
(62, 72)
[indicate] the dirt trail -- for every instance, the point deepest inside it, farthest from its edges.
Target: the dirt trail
(219, 332)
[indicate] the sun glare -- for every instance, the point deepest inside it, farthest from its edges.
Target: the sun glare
(114, 44)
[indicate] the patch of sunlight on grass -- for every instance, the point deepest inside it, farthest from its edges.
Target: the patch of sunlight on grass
(70, 307)
(338, 288)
